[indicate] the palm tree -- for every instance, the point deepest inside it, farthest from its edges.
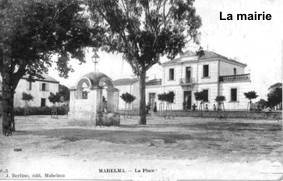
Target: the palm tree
(250, 95)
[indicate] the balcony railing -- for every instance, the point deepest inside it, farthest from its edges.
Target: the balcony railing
(186, 81)
(234, 78)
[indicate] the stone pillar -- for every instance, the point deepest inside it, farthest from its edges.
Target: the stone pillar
(72, 103)
(92, 111)
(116, 100)
(110, 102)
(98, 101)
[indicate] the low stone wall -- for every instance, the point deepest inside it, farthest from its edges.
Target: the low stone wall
(218, 114)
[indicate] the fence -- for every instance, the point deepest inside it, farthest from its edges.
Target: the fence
(225, 114)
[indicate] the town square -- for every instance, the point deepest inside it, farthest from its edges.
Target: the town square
(140, 90)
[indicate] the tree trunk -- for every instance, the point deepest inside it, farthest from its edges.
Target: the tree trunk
(8, 122)
(142, 98)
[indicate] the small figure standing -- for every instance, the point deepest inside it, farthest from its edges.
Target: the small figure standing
(104, 104)
(155, 107)
(147, 108)
(194, 107)
(214, 107)
(206, 107)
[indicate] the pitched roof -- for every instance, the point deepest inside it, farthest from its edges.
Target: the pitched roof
(154, 82)
(124, 81)
(206, 55)
(276, 85)
(46, 78)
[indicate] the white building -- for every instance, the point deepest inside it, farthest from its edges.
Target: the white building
(211, 72)
(40, 89)
(130, 85)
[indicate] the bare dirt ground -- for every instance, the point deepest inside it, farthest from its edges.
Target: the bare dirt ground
(180, 148)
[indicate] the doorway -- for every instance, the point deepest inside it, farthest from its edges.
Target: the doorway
(151, 100)
(187, 104)
(43, 102)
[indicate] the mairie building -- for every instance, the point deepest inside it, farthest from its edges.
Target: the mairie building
(212, 73)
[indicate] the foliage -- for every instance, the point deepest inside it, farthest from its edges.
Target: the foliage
(54, 98)
(27, 97)
(35, 30)
(19, 111)
(128, 98)
(167, 97)
(64, 92)
(274, 97)
(262, 103)
(220, 99)
(250, 95)
(200, 96)
(144, 30)
(200, 52)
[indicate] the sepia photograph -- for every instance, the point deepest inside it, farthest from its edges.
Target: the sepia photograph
(142, 90)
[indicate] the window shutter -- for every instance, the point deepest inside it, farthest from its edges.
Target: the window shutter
(40, 86)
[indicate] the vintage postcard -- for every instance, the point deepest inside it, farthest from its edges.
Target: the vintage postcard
(142, 90)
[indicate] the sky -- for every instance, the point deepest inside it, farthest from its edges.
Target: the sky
(259, 44)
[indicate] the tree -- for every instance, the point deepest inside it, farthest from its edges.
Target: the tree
(27, 98)
(168, 98)
(250, 95)
(31, 32)
(262, 104)
(200, 96)
(220, 101)
(128, 99)
(54, 98)
(145, 30)
(64, 92)
(274, 97)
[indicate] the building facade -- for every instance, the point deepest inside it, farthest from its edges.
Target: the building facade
(40, 89)
(212, 73)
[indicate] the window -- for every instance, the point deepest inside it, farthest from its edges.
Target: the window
(84, 94)
(43, 86)
(233, 94)
(205, 92)
(205, 70)
(29, 85)
(235, 71)
(43, 102)
(171, 74)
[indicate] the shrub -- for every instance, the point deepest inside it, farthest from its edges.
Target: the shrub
(62, 110)
(250, 95)
(27, 97)
(128, 98)
(54, 98)
(220, 98)
(167, 97)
